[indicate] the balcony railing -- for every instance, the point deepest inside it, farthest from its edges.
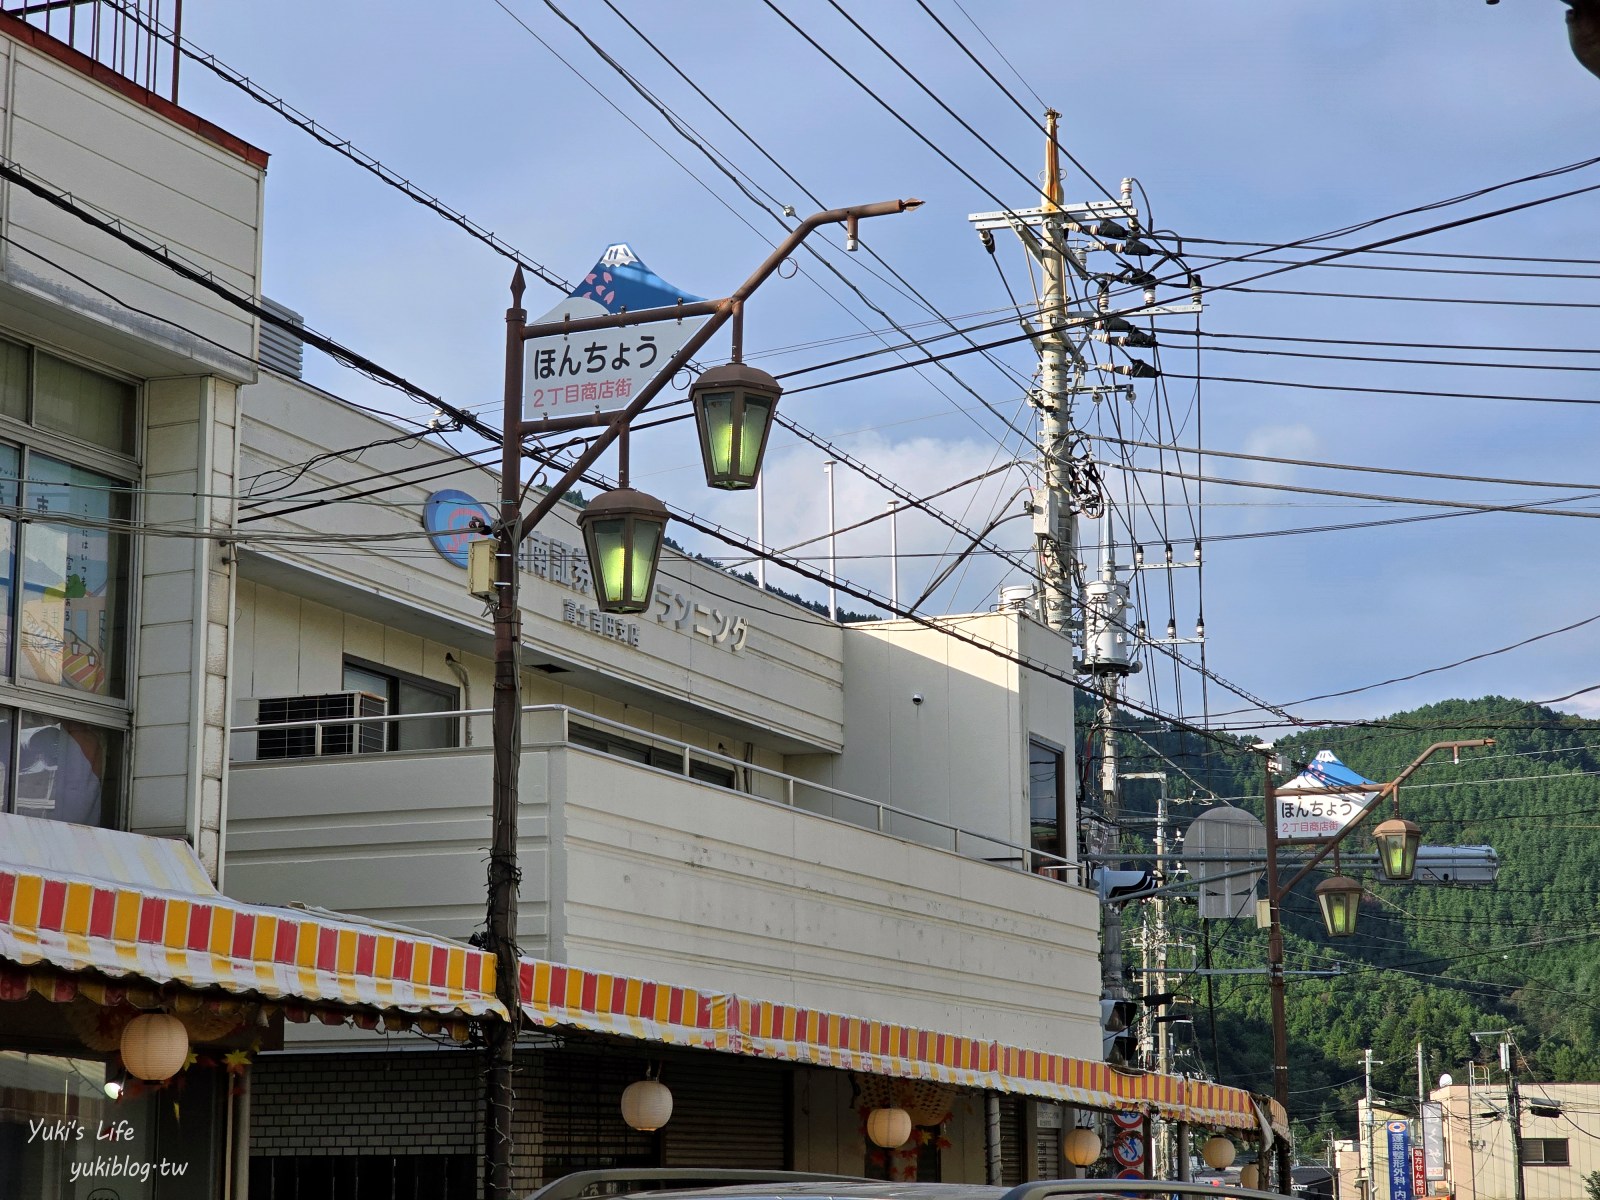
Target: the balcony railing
(137, 39)
(549, 726)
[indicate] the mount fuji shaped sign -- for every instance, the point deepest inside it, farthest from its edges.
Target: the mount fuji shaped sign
(602, 370)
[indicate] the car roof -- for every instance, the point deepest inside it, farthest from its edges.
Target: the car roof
(863, 1189)
(680, 1183)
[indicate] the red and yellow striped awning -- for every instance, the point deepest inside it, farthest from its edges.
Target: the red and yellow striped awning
(571, 996)
(152, 921)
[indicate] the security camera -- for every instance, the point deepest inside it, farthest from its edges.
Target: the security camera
(916, 697)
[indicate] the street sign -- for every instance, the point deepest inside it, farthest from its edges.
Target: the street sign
(1433, 1139)
(1399, 1160)
(1321, 817)
(601, 370)
(1225, 841)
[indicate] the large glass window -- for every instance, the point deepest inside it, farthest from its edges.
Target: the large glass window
(83, 404)
(66, 547)
(54, 1109)
(407, 695)
(667, 759)
(1047, 804)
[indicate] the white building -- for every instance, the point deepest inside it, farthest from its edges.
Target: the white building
(802, 869)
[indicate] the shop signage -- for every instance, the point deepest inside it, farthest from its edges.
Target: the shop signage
(447, 515)
(568, 566)
(1326, 815)
(1399, 1160)
(1433, 1139)
(603, 369)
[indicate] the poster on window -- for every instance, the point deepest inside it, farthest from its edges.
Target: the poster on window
(73, 578)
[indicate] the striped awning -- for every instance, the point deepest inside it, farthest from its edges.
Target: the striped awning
(570, 996)
(131, 907)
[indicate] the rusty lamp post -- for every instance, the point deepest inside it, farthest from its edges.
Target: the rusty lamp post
(1339, 897)
(622, 530)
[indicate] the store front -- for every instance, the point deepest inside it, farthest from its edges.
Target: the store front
(135, 999)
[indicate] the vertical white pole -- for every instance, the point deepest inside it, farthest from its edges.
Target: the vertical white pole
(833, 566)
(761, 531)
(894, 555)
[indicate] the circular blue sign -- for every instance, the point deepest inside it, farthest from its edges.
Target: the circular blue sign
(447, 516)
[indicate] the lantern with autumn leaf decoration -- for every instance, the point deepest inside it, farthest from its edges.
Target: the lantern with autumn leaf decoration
(154, 1046)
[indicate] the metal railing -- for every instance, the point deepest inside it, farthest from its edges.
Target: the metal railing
(552, 728)
(134, 38)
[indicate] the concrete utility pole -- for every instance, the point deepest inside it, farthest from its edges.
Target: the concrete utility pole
(1102, 619)
(1508, 1064)
(1156, 950)
(1369, 1157)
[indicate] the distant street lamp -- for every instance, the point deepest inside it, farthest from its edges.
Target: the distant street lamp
(623, 531)
(1339, 897)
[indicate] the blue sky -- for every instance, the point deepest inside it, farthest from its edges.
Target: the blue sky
(1240, 120)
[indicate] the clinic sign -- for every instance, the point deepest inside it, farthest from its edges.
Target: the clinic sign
(602, 370)
(1321, 815)
(1399, 1134)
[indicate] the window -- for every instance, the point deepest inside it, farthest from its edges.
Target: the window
(1544, 1152)
(54, 1107)
(1047, 799)
(364, 1177)
(718, 774)
(409, 694)
(66, 546)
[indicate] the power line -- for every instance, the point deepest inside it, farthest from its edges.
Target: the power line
(1279, 460)
(339, 145)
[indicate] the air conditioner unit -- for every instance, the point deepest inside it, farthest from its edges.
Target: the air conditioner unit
(314, 741)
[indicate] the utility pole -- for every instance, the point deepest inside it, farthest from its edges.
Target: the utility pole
(1369, 1166)
(1157, 1042)
(1102, 620)
(833, 548)
(1508, 1064)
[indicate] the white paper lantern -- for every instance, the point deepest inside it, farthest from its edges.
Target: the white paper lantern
(154, 1046)
(1218, 1153)
(646, 1105)
(1249, 1176)
(889, 1127)
(1082, 1147)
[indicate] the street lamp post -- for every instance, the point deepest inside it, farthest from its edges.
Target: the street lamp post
(619, 529)
(1338, 898)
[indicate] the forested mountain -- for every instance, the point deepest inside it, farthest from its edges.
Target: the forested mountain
(1428, 963)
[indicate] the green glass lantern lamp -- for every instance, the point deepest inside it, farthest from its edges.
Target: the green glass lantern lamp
(1398, 840)
(1339, 897)
(733, 407)
(622, 533)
